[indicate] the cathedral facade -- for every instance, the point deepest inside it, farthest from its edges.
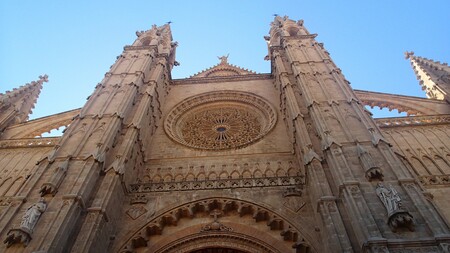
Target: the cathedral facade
(228, 160)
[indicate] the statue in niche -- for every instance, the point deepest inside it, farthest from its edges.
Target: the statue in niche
(397, 216)
(29, 220)
(31, 216)
(389, 197)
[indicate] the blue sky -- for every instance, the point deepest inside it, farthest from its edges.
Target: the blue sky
(75, 42)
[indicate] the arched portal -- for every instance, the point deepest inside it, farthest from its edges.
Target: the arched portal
(217, 225)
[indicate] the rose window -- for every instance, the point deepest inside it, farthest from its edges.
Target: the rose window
(220, 120)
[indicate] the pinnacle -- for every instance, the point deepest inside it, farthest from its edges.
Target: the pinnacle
(408, 54)
(26, 87)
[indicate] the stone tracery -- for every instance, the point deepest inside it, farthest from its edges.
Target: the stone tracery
(220, 120)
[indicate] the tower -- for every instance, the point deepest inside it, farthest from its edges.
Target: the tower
(228, 160)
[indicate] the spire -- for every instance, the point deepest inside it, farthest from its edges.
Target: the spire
(16, 105)
(158, 38)
(434, 77)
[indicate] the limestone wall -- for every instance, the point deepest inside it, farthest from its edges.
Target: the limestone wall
(425, 150)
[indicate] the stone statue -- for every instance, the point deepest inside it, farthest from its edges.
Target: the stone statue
(223, 59)
(22, 234)
(397, 216)
(31, 216)
(389, 197)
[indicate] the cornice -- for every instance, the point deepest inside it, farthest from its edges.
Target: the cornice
(221, 79)
(29, 143)
(413, 121)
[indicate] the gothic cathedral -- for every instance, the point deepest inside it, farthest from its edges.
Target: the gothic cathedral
(227, 160)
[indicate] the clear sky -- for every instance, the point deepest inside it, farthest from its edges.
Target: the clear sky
(75, 42)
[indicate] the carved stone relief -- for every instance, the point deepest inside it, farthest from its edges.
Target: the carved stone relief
(29, 221)
(397, 216)
(220, 120)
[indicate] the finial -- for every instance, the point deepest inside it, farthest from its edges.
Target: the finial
(275, 15)
(43, 78)
(223, 59)
(139, 33)
(408, 54)
(170, 22)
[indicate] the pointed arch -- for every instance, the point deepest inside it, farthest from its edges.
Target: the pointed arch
(190, 177)
(235, 174)
(246, 174)
(4, 186)
(223, 175)
(442, 164)
(293, 172)
(212, 176)
(201, 176)
(157, 178)
(419, 167)
(269, 173)
(168, 177)
(280, 172)
(179, 177)
(257, 173)
(431, 166)
(15, 187)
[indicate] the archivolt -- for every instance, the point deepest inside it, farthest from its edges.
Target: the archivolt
(288, 232)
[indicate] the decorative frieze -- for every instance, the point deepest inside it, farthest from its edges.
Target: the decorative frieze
(217, 184)
(413, 121)
(29, 143)
(431, 180)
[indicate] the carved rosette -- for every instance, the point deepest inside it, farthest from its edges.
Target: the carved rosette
(220, 120)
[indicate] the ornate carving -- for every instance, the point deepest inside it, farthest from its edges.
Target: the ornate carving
(216, 226)
(413, 121)
(29, 220)
(32, 214)
(223, 59)
(55, 181)
(136, 212)
(17, 236)
(430, 180)
(215, 207)
(221, 128)
(373, 172)
(217, 184)
(397, 217)
(293, 199)
(37, 142)
(138, 199)
(5, 201)
(220, 120)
